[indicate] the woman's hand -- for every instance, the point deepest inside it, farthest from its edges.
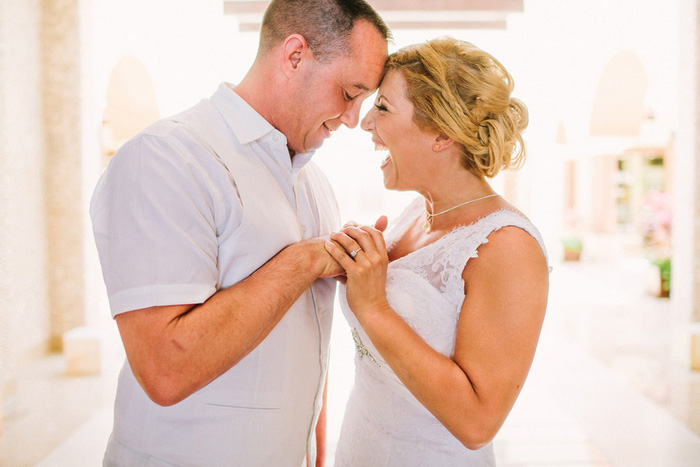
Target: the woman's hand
(361, 251)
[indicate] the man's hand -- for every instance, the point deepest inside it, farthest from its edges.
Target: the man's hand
(321, 262)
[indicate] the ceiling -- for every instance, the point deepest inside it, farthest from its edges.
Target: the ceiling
(406, 14)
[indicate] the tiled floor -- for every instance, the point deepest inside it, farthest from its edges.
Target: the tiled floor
(602, 390)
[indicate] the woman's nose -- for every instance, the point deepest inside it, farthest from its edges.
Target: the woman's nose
(367, 123)
(351, 114)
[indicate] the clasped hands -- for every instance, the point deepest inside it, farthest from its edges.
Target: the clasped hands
(360, 251)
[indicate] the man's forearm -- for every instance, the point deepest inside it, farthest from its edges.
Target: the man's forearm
(176, 350)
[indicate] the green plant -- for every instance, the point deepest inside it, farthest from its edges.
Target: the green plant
(572, 244)
(572, 248)
(664, 266)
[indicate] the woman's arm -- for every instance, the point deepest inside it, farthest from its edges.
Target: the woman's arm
(499, 325)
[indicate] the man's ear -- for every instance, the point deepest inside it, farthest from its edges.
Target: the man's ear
(442, 142)
(294, 49)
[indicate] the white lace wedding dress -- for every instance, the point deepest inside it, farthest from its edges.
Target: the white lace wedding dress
(384, 424)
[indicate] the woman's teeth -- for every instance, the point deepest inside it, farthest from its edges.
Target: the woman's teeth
(385, 161)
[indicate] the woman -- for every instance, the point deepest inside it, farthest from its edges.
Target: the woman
(447, 313)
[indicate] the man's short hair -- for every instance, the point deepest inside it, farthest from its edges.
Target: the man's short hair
(325, 24)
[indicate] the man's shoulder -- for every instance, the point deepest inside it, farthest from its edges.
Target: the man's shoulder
(177, 126)
(179, 133)
(173, 150)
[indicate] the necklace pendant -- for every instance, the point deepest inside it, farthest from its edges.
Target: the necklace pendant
(428, 224)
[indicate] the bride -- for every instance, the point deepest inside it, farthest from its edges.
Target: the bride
(446, 313)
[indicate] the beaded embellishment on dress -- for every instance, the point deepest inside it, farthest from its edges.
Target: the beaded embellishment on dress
(360, 347)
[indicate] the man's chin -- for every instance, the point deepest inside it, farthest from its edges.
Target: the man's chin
(308, 145)
(313, 146)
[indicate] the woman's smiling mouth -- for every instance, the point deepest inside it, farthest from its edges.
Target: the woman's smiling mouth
(386, 160)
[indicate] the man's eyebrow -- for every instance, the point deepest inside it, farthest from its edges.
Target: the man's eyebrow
(361, 87)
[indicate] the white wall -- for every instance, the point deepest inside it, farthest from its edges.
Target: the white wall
(24, 316)
(685, 226)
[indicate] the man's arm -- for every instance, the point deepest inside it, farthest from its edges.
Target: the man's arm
(176, 350)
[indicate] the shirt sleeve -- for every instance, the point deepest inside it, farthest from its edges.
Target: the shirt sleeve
(153, 214)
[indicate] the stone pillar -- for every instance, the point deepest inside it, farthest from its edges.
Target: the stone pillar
(696, 157)
(23, 299)
(3, 316)
(685, 260)
(60, 90)
(695, 245)
(695, 313)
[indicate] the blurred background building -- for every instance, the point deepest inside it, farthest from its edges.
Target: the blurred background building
(613, 148)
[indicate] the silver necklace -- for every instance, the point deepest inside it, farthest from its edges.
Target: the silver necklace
(428, 225)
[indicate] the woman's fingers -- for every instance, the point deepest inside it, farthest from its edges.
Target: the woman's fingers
(347, 242)
(366, 272)
(357, 243)
(367, 238)
(339, 254)
(376, 236)
(381, 223)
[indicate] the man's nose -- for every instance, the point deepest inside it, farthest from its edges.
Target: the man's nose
(352, 114)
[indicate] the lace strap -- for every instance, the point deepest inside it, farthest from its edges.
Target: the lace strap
(465, 241)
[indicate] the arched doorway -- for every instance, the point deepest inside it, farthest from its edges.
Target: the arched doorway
(131, 104)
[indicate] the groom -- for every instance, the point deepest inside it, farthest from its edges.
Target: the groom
(206, 225)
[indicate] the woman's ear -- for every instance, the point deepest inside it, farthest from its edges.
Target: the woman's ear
(442, 142)
(294, 49)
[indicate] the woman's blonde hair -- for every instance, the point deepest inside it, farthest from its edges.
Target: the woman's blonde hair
(460, 91)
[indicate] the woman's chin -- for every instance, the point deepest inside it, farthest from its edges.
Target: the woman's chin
(389, 184)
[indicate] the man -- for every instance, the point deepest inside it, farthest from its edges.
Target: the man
(207, 227)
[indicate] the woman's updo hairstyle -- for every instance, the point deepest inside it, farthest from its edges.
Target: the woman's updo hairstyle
(463, 92)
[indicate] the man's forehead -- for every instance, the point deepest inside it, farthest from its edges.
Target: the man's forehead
(365, 74)
(367, 56)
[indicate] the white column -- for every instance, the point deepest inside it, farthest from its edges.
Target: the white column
(61, 92)
(23, 298)
(685, 291)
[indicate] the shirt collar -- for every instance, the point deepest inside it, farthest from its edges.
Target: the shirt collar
(245, 122)
(249, 126)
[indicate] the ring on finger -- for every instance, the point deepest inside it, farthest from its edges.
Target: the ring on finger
(354, 253)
